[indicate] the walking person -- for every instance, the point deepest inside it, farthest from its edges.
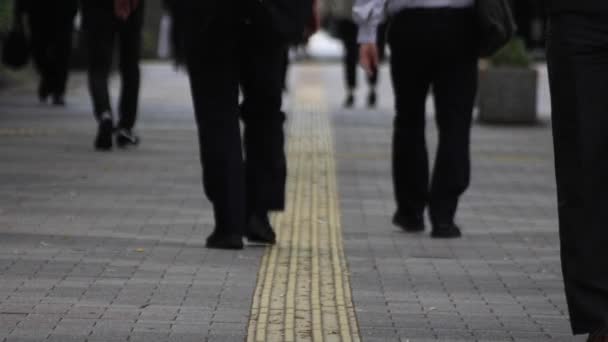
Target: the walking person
(342, 12)
(433, 45)
(106, 22)
(51, 24)
(577, 56)
(230, 45)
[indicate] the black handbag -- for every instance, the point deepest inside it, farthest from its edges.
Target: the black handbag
(287, 18)
(496, 25)
(16, 50)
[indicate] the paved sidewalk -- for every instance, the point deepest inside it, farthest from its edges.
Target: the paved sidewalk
(109, 246)
(501, 282)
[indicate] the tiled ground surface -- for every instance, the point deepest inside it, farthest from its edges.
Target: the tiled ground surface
(501, 282)
(109, 247)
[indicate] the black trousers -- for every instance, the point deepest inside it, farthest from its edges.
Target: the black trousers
(102, 30)
(432, 48)
(348, 29)
(241, 174)
(51, 28)
(578, 72)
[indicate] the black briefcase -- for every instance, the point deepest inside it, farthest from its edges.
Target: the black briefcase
(16, 50)
(496, 25)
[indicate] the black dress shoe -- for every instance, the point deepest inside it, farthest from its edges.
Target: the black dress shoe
(221, 241)
(260, 231)
(409, 224)
(446, 231)
(125, 138)
(103, 142)
(349, 102)
(372, 99)
(43, 92)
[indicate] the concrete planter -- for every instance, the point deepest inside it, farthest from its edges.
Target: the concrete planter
(508, 95)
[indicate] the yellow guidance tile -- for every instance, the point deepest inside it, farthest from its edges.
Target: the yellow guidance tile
(303, 291)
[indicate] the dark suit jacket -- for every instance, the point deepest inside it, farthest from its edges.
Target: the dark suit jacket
(48, 11)
(191, 18)
(586, 6)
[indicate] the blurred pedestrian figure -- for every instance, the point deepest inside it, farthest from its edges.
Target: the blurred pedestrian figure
(51, 24)
(578, 73)
(227, 45)
(164, 34)
(106, 22)
(341, 11)
(432, 45)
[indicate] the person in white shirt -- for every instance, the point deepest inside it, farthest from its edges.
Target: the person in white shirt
(433, 46)
(341, 13)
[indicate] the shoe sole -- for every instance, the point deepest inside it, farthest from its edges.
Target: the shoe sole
(446, 235)
(261, 242)
(127, 144)
(224, 247)
(228, 244)
(410, 228)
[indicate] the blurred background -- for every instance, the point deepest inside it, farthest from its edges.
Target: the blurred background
(529, 15)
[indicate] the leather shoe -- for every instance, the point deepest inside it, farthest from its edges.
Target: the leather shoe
(446, 231)
(221, 241)
(103, 141)
(409, 224)
(260, 231)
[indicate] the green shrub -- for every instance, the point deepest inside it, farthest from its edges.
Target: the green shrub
(514, 54)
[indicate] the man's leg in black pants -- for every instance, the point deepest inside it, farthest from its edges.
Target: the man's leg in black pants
(411, 80)
(264, 136)
(63, 48)
(372, 79)
(348, 33)
(62, 52)
(129, 36)
(578, 73)
(213, 69)
(454, 87)
(99, 32)
(41, 36)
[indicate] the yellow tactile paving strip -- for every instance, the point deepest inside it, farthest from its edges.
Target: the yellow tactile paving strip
(303, 291)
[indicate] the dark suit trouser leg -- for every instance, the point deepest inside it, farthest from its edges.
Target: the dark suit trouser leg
(266, 165)
(63, 46)
(348, 34)
(62, 52)
(430, 33)
(41, 37)
(100, 34)
(372, 79)
(130, 38)
(454, 89)
(411, 79)
(213, 69)
(578, 72)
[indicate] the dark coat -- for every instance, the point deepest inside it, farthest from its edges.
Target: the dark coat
(48, 11)
(586, 6)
